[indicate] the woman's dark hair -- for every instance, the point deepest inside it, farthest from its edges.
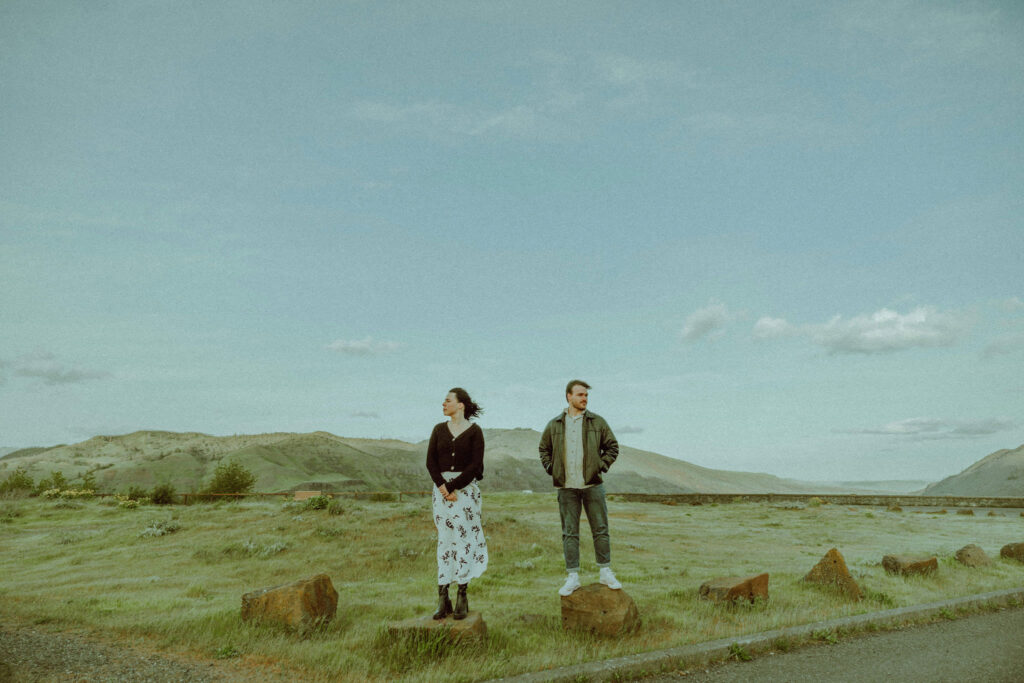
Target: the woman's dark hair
(462, 396)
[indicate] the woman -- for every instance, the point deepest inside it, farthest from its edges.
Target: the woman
(455, 461)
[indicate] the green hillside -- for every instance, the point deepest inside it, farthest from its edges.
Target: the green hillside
(285, 462)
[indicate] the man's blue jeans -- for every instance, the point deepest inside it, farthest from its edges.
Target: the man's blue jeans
(570, 502)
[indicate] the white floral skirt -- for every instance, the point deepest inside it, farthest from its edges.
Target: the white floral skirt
(461, 547)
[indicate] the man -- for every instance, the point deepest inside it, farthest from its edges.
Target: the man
(575, 449)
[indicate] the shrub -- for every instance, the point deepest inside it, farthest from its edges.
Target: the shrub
(136, 493)
(335, 508)
(18, 480)
(231, 477)
(320, 502)
(56, 480)
(88, 481)
(161, 528)
(163, 494)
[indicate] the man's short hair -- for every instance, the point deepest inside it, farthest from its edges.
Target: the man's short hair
(572, 383)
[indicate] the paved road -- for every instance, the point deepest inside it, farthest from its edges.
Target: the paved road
(982, 648)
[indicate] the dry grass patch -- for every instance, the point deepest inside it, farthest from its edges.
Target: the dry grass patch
(96, 568)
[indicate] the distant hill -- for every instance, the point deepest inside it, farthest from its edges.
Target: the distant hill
(320, 460)
(998, 474)
(4, 450)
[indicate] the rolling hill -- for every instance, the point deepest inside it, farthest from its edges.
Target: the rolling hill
(320, 460)
(998, 474)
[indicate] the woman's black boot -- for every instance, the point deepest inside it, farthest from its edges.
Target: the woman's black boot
(461, 602)
(444, 603)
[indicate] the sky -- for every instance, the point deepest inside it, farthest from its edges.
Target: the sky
(779, 237)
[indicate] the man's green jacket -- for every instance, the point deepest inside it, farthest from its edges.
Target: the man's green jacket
(600, 449)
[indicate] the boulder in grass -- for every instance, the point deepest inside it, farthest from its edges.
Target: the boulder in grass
(906, 565)
(302, 605)
(965, 511)
(733, 588)
(832, 571)
(1013, 551)
(472, 627)
(596, 608)
(972, 556)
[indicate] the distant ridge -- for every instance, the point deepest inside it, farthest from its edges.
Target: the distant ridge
(997, 474)
(321, 460)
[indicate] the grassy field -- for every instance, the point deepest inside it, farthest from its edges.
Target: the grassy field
(92, 566)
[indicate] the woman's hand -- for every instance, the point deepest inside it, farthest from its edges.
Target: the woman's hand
(449, 496)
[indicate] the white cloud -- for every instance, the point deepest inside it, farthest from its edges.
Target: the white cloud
(368, 414)
(44, 366)
(707, 321)
(774, 328)
(883, 331)
(886, 330)
(367, 346)
(931, 428)
(1003, 345)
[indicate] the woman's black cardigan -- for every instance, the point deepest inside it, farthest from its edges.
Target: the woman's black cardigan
(464, 453)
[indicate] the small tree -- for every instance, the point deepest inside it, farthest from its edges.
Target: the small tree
(88, 481)
(231, 477)
(163, 494)
(18, 480)
(56, 480)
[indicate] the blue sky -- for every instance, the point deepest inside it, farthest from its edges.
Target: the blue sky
(780, 237)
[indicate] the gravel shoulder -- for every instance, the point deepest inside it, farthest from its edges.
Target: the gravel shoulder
(31, 654)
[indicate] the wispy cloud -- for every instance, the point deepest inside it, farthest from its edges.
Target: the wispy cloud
(562, 94)
(774, 328)
(446, 119)
(366, 414)
(1003, 345)
(930, 428)
(709, 321)
(367, 346)
(45, 367)
(932, 33)
(883, 331)
(1012, 305)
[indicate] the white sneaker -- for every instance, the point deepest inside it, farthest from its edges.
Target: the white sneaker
(608, 579)
(571, 584)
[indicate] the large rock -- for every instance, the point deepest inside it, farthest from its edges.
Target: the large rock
(732, 588)
(301, 605)
(832, 571)
(599, 609)
(472, 627)
(906, 565)
(972, 556)
(1013, 551)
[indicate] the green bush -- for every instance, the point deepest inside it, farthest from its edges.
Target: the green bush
(56, 480)
(136, 493)
(231, 477)
(88, 482)
(320, 502)
(18, 480)
(163, 494)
